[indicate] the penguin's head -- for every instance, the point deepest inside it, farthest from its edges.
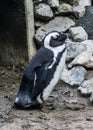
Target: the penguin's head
(54, 39)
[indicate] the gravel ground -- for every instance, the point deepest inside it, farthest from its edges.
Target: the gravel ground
(65, 109)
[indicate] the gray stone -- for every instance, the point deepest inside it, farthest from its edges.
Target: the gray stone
(78, 33)
(73, 104)
(58, 23)
(39, 24)
(74, 49)
(43, 11)
(87, 21)
(65, 8)
(38, 1)
(86, 88)
(84, 2)
(53, 3)
(88, 44)
(79, 2)
(79, 11)
(85, 59)
(72, 2)
(74, 76)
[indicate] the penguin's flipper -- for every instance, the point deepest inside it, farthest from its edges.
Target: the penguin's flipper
(41, 75)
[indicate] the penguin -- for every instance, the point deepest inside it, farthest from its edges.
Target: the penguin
(43, 71)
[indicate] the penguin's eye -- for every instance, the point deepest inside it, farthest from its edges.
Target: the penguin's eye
(55, 37)
(55, 42)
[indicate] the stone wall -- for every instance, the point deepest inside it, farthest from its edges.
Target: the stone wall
(59, 15)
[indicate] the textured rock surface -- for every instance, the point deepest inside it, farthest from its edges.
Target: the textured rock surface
(79, 11)
(38, 24)
(75, 76)
(38, 1)
(87, 21)
(88, 44)
(79, 2)
(43, 11)
(84, 59)
(65, 8)
(53, 3)
(72, 2)
(74, 49)
(58, 23)
(84, 2)
(78, 33)
(86, 87)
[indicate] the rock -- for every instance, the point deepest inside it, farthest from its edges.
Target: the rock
(86, 87)
(72, 2)
(84, 2)
(38, 24)
(79, 11)
(74, 76)
(74, 49)
(38, 1)
(43, 11)
(85, 59)
(87, 21)
(78, 34)
(88, 44)
(53, 3)
(73, 104)
(58, 23)
(71, 101)
(64, 8)
(79, 2)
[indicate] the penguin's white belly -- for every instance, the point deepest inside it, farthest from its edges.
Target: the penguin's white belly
(55, 78)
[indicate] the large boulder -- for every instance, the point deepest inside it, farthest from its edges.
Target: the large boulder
(43, 11)
(86, 87)
(84, 2)
(58, 23)
(78, 11)
(87, 21)
(72, 2)
(79, 2)
(88, 44)
(64, 8)
(82, 54)
(84, 59)
(78, 34)
(74, 76)
(53, 3)
(38, 1)
(74, 49)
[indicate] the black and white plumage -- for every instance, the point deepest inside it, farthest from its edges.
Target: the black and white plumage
(43, 71)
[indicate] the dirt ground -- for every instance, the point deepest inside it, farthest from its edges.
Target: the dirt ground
(65, 109)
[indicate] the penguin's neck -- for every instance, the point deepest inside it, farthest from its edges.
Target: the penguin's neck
(56, 51)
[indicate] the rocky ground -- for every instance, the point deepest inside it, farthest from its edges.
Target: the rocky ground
(65, 109)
